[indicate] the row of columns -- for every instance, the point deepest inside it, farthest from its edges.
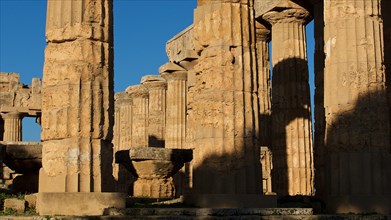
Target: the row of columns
(152, 114)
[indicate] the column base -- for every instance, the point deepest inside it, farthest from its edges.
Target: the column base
(359, 204)
(78, 203)
(231, 200)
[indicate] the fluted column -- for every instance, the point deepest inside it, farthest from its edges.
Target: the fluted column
(12, 126)
(156, 86)
(176, 109)
(221, 111)
(293, 171)
(77, 108)
(264, 87)
(357, 141)
(139, 122)
(122, 139)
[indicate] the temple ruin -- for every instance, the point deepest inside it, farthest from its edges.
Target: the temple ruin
(234, 96)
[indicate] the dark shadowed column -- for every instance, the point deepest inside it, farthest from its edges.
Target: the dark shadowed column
(293, 168)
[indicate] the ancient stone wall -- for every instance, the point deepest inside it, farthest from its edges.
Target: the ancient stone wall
(16, 102)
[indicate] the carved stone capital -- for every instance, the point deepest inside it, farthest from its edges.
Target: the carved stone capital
(262, 32)
(12, 115)
(137, 91)
(177, 75)
(154, 82)
(289, 15)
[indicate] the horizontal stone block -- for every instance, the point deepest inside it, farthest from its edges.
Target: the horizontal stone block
(78, 204)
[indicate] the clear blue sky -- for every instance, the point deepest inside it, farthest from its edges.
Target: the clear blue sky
(141, 29)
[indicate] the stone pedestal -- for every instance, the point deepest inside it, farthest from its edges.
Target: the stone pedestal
(12, 126)
(154, 168)
(77, 106)
(357, 154)
(293, 169)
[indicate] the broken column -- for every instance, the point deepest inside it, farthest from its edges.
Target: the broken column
(357, 156)
(293, 170)
(12, 126)
(156, 86)
(139, 96)
(227, 171)
(77, 110)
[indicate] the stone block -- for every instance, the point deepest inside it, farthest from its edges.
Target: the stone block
(31, 200)
(78, 203)
(231, 200)
(15, 204)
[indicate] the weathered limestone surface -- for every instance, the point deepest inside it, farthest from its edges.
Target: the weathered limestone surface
(267, 167)
(12, 126)
(17, 97)
(157, 87)
(180, 48)
(176, 108)
(77, 104)
(139, 117)
(264, 84)
(293, 172)
(16, 102)
(122, 138)
(357, 158)
(221, 115)
(154, 168)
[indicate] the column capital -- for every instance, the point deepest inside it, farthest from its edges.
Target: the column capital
(137, 91)
(289, 15)
(152, 82)
(176, 75)
(262, 32)
(12, 115)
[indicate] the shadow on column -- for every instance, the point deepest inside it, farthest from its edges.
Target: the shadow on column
(229, 180)
(358, 158)
(386, 16)
(291, 104)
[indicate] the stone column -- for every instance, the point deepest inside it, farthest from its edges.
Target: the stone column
(176, 109)
(139, 96)
(176, 122)
(264, 89)
(319, 95)
(293, 169)
(12, 126)
(77, 110)
(357, 141)
(227, 171)
(122, 138)
(156, 86)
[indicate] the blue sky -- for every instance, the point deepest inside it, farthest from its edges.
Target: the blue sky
(141, 29)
